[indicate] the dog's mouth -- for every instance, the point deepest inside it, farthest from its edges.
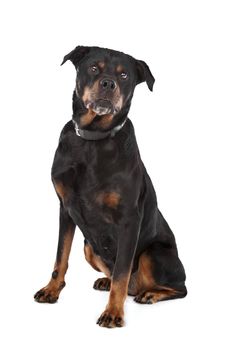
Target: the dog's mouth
(102, 107)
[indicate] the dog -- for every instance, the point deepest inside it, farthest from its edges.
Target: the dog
(104, 189)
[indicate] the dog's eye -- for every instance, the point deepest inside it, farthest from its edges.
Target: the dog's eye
(124, 75)
(94, 69)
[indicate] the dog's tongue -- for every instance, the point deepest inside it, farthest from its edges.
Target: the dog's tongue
(102, 107)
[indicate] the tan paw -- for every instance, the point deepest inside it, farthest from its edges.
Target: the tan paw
(50, 293)
(110, 319)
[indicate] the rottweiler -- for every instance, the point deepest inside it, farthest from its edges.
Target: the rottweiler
(104, 189)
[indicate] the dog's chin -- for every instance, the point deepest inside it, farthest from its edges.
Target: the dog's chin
(101, 107)
(102, 110)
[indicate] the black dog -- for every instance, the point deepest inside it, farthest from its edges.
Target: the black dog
(104, 189)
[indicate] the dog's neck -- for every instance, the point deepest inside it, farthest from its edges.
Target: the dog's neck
(97, 135)
(114, 126)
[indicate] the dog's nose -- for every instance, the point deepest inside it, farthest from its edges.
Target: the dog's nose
(108, 84)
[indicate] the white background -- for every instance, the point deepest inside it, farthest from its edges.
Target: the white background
(184, 131)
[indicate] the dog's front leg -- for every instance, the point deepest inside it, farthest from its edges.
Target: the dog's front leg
(50, 293)
(113, 316)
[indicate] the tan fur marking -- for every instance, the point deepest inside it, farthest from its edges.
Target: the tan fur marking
(87, 118)
(118, 292)
(145, 277)
(113, 315)
(60, 189)
(119, 68)
(142, 279)
(153, 296)
(86, 94)
(89, 92)
(115, 306)
(101, 65)
(105, 121)
(95, 261)
(62, 265)
(158, 296)
(55, 286)
(111, 199)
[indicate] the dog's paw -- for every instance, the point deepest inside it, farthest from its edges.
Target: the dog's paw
(111, 319)
(102, 284)
(145, 298)
(151, 297)
(49, 294)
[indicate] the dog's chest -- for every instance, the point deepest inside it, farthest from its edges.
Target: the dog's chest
(91, 180)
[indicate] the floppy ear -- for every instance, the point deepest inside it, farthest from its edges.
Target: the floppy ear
(144, 74)
(76, 55)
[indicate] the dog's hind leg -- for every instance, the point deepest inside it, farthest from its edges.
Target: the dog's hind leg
(160, 275)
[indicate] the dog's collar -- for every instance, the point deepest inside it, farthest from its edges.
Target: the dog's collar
(97, 135)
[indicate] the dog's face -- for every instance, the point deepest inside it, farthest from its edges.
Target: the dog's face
(106, 79)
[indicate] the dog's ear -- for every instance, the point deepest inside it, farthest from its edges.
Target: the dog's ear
(76, 55)
(144, 74)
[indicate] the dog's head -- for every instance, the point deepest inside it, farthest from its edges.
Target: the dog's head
(105, 81)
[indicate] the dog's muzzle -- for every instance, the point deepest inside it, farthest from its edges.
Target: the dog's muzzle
(101, 107)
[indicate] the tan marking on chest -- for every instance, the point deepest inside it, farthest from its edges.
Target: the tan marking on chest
(105, 121)
(110, 199)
